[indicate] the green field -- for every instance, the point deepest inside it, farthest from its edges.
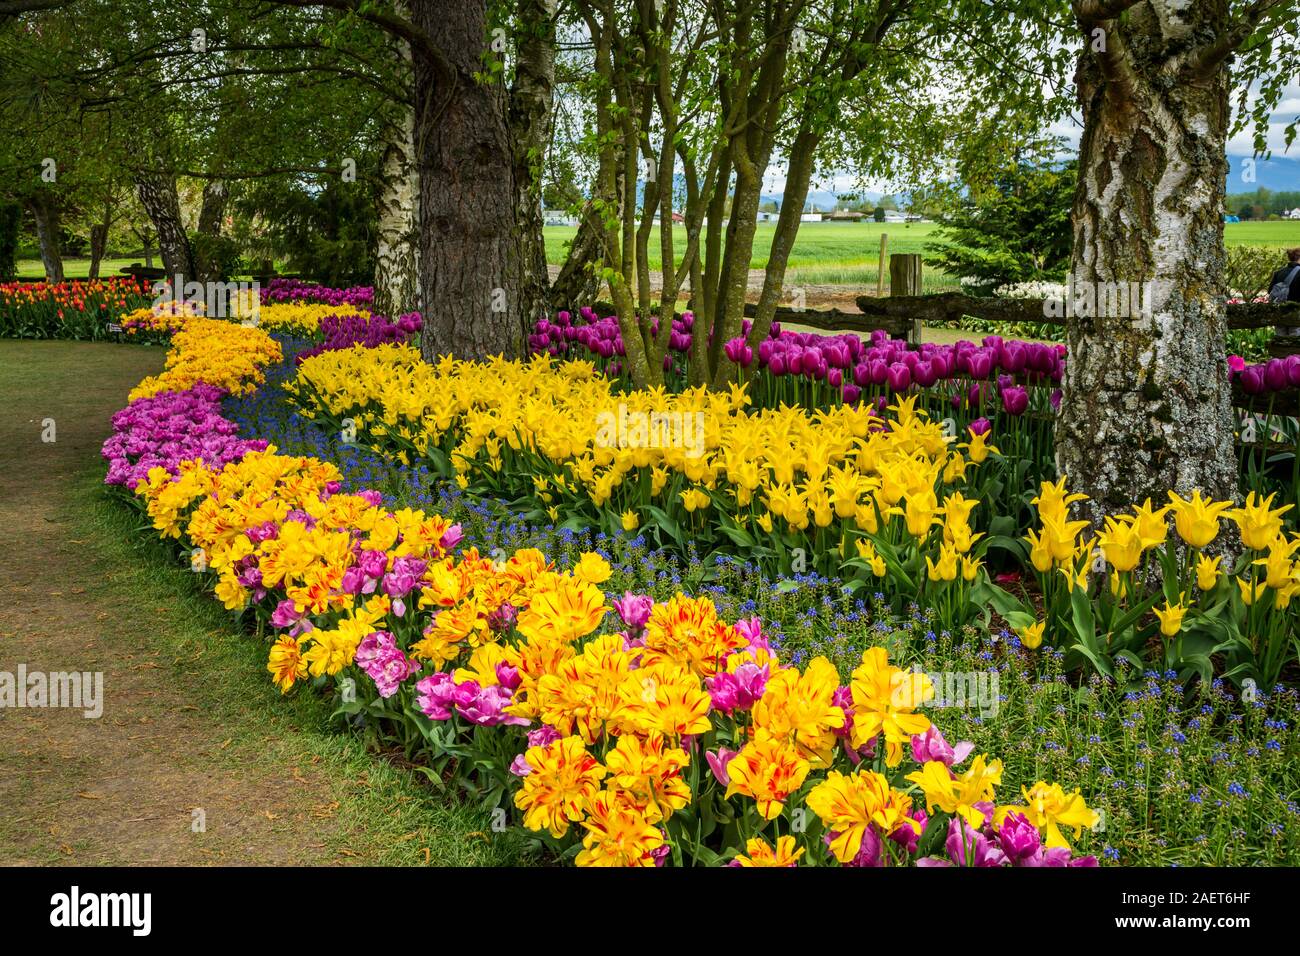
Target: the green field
(845, 253)
(825, 253)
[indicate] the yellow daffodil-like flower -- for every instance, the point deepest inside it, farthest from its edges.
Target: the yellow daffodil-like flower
(1150, 524)
(884, 702)
(286, 664)
(956, 522)
(1078, 577)
(1259, 526)
(592, 568)
(867, 552)
(1250, 592)
(958, 793)
(758, 852)
(1040, 555)
(630, 521)
(801, 706)
(562, 781)
(1197, 520)
(1032, 636)
(920, 513)
(332, 650)
(1171, 618)
(1277, 564)
(618, 833)
(1048, 807)
(1060, 537)
(1053, 501)
(767, 770)
(567, 610)
(648, 772)
(1119, 586)
(978, 448)
(946, 567)
(1207, 572)
(482, 667)
(695, 500)
(662, 698)
(688, 632)
(219, 353)
(1122, 543)
(848, 804)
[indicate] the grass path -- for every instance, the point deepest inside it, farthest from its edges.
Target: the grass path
(190, 721)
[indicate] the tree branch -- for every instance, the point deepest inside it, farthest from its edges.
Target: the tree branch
(1237, 33)
(11, 8)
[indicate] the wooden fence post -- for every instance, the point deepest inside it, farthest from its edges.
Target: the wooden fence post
(880, 272)
(905, 279)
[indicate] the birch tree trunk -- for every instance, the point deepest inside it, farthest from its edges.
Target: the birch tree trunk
(1146, 406)
(158, 197)
(207, 261)
(532, 99)
(397, 241)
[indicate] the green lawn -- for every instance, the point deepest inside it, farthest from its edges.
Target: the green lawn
(76, 268)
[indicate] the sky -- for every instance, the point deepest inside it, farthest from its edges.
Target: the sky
(1240, 146)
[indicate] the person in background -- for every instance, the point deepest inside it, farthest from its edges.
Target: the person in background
(1285, 287)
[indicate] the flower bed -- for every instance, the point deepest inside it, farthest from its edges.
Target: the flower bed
(883, 501)
(656, 733)
(76, 309)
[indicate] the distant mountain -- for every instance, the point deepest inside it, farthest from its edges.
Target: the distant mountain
(1278, 174)
(825, 200)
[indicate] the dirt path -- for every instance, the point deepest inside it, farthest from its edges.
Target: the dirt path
(194, 759)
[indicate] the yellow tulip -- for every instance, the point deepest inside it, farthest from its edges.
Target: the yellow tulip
(1122, 543)
(946, 568)
(1278, 562)
(1171, 618)
(1197, 520)
(1249, 592)
(920, 513)
(1032, 636)
(1259, 526)
(1207, 572)
(1150, 525)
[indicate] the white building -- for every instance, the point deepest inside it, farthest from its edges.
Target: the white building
(1293, 214)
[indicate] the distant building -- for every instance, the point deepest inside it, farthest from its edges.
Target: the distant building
(557, 217)
(1293, 214)
(810, 217)
(846, 215)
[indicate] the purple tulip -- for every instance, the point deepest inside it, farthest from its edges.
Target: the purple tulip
(1015, 400)
(899, 378)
